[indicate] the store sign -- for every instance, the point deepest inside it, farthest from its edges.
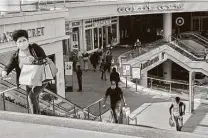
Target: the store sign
(101, 23)
(148, 7)
(150, 62)
(7, 36)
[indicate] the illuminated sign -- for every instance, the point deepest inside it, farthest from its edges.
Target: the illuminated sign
(148, 7)
(7, 36)
(149, 62)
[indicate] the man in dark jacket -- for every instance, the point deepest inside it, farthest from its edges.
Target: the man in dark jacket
(114, 76)
(109, 61)
(79, 77)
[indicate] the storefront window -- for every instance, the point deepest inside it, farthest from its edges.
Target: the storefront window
(114, 33)
(109, 35)
(100, 37)
(95, 38)
(88, 36)
(75, 38)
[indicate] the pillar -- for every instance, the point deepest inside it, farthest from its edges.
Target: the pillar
(191, 92)
(167, 70)
(143, 80)
(167, 26)
(60, 82)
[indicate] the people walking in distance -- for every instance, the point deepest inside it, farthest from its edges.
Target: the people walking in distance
(177, 110)
(116, 95)
(137, 45)
(103, 67)
(94, 60)
(85, 56)
(114, 76)
(79, 77)
(26, 54)
(109, 58)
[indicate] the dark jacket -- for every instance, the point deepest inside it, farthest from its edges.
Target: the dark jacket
(114, 76)
(14, 61)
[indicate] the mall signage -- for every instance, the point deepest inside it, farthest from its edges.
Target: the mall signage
(35, 32)
(151, 7)
(101, 23)
(150, 62)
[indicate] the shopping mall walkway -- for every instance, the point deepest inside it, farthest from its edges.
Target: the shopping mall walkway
(94, 89)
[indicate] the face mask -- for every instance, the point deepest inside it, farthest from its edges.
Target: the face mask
(23, 45)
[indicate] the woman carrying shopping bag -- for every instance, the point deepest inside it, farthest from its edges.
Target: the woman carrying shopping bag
(23, 62)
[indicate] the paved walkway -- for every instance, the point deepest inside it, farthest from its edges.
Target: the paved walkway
(94, 89)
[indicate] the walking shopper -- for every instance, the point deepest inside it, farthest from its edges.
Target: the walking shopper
(114, 76)
(177, 110)
(26, 54)
(116, 95)
(137, 45)
(94, 60)
(85, 56)
(79, 77)
(109, 61)
(103, 67)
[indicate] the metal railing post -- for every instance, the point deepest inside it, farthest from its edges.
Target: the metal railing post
(4, 102)
(28, 107)
(136, 121)
(170, 88)
(88, 113)
(20, 5)
(100, 110)
(53, 105)
(75, 111)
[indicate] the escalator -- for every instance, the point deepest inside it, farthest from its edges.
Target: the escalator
(177, 51)
(15, 100)
(194, 40)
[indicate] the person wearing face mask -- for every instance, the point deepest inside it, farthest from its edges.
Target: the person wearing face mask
(116, 95)
(26, 54)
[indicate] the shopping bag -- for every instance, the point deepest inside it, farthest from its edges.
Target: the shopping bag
(46, 73)
(171, 122)
(53, 68)
(31, 75)
(126, 111)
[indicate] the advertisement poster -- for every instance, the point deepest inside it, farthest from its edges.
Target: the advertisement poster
(68, 68)
(126, 69)
(136, 72)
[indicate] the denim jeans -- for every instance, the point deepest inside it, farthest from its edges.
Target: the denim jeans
(33, 97)
(116, 111)
(179, 122)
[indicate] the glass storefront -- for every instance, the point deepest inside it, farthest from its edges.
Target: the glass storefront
(88, 37)
(100, 32)
(96, 38)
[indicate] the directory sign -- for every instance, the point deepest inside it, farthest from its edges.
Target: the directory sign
(136, 72)
(126, 70)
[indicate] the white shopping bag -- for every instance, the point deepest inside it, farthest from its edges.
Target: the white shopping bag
(31, 75)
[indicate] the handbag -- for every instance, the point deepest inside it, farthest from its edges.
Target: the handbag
(52, 67)
(171, 122)
(31, 75)
(47, 73)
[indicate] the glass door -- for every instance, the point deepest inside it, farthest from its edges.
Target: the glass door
(197, 24)
(100, 37)
(104, 37)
